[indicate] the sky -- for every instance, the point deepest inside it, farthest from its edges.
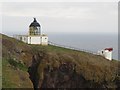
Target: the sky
(60, 17)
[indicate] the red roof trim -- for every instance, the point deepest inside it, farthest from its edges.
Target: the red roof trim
(110, 49)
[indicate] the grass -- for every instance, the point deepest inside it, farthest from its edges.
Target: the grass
(14, 71)
(56, 49)
(87, 63)
(92, 67)
(51, 48)
(14, 75)
(6, 77)
(17, 64)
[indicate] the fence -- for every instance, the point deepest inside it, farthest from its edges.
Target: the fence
(72, 48)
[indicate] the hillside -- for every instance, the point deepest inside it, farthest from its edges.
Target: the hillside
(54, 67)
(14, 71)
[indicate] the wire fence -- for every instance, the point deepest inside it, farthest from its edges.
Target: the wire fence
(72, 48)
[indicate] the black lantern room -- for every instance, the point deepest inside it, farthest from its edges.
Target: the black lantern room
(35, 28)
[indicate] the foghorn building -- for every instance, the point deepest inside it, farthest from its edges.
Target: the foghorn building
(107, 53)
(34, 36)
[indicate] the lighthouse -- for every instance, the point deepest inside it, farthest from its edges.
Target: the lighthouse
(34, 36)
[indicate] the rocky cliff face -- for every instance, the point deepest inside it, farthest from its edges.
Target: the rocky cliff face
(55, 67)
(61, 71)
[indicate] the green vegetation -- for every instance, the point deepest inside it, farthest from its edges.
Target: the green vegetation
(17, 64)
(93, 68)
(51, 48)
(6, 75)
(14, 75)
(53, 66)
(14, 71)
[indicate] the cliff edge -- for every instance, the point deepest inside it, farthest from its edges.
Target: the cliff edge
(35, 66)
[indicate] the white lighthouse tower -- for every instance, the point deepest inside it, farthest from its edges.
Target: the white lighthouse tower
(35, 35)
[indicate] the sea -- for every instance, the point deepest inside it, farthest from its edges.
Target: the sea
(90, 41)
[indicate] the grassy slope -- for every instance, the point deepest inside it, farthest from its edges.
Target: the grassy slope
(92, 67)
(14, 70)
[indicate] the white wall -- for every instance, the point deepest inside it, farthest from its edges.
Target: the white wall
(34, 40)
(17, 37)
(44, 40)
(21, 38)
(108, 54)
(25, 39)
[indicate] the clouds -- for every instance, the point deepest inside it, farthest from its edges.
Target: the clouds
(59, 1)
(80, 16)
(64, 10)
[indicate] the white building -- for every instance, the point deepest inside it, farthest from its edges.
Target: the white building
(107, 53)
(35, 36)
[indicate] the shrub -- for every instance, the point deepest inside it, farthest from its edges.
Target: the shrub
(17, 64)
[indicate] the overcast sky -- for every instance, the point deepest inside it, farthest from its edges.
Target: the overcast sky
(70, 17)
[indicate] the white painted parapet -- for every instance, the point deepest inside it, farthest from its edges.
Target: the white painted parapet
(33, 39)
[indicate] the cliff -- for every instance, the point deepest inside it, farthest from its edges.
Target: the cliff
(54, 67)
(14, 69)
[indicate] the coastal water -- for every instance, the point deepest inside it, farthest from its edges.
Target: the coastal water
(91, 42)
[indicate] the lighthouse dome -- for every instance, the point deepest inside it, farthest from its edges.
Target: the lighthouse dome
(34, 23)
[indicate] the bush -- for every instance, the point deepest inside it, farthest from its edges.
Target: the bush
(17, 64)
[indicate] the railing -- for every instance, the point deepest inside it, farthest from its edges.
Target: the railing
(72, 48)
